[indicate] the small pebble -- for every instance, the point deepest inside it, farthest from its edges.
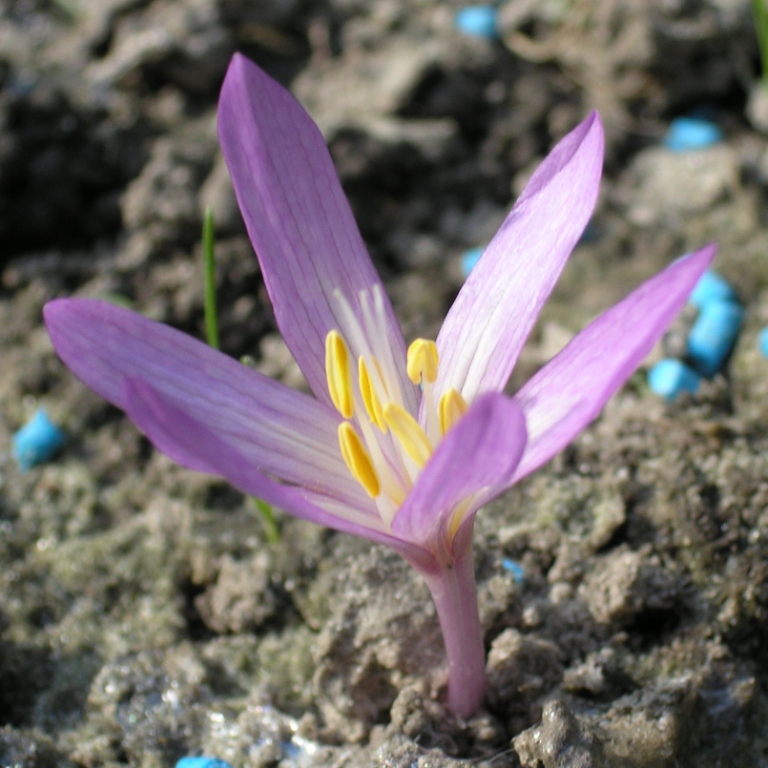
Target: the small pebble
(517, 570)
(477, 21)
(37, 441)
(713, 335)
(711, 287)
(202, 762)
(690, 133)
(670, 377)
(469, 259)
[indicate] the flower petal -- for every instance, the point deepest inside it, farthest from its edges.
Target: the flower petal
(482, 450)
(297, 216)
(283, 432)
(565, 395)
(195, 445)
(493, 314)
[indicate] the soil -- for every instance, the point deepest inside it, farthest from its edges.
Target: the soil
(144, 616)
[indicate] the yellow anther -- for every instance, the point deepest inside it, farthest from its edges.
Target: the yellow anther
(370, 398)
(422, 361)
(451, 408)
(338, 374)
(358, 460)
(409, 433)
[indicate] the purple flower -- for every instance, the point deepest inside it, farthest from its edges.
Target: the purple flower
(401, 446)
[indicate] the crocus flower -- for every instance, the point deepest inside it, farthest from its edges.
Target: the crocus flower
(401, 445)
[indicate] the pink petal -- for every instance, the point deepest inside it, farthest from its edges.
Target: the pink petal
(297, 216)
(482, 450)
(278, 430)
(194, 444)
(493, 314)
(565, 395)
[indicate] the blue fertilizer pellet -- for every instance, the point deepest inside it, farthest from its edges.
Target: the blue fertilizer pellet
(290, 750)
(762, 341)
(714, 335)
(690, 133)
(202, 762)
(469, 259)
(670, 377)
(711, 287)
(477, 21)
(37, 441)
(517, 570)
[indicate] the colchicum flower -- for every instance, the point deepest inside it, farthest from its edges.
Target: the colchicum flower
(399, 445)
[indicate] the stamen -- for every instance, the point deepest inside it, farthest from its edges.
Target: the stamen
(422, 361)
(411, 436)
(379, 338)
(358, 460)
(390, 483)
(338, 374)
(370, 398)
(451, 408)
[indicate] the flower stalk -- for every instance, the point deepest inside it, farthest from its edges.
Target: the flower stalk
(455, 596)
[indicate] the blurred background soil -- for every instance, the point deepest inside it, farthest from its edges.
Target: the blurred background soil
(623, 588)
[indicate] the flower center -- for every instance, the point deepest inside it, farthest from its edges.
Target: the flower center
(382, 441)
